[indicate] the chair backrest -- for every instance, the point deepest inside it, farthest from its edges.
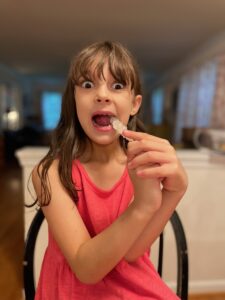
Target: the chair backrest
(28, 270)
(181, 245)
(182, 256)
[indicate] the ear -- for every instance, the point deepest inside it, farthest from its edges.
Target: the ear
(136, 104)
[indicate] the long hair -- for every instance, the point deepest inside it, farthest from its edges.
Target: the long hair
(69, 140)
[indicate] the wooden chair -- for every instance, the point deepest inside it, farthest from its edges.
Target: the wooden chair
(181, 247)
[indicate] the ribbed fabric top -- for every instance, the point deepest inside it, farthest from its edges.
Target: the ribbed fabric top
(129, 281)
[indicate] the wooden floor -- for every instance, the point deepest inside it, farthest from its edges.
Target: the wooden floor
(215, 296)
(11, 236)
(11, 232)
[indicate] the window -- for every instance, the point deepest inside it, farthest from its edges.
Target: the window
(157, 104)
(51, 108)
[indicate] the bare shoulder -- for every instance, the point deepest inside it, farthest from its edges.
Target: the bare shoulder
(52, 175)
(51, 193)
(38, 169)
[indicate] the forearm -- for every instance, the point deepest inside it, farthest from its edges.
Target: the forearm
(155, 225)
(99, 255)
(155, 158)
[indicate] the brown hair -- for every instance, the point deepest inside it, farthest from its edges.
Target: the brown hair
(69, 140)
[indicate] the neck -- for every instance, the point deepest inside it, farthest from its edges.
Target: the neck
(103, 154)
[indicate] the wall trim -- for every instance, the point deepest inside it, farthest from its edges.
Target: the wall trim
(203, 286)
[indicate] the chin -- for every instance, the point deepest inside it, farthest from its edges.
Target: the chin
(104, 141)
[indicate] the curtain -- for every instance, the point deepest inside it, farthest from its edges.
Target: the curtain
(218, 109)
(195, 98)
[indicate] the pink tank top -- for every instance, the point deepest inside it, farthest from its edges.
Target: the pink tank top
(128, 281)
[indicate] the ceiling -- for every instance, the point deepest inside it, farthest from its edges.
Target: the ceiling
(40, 37)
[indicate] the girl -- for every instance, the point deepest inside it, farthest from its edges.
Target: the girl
(105, 200)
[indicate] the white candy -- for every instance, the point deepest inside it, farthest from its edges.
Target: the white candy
(119, 127)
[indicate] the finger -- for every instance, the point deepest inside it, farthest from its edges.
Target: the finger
(141, 170)
(136, 147)
(133, 149)
(153, 171)
(150, 157)
(137, 136)
(165, 171)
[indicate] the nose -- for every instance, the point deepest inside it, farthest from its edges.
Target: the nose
(102, 94)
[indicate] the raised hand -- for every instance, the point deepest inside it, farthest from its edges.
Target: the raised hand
(150, 157)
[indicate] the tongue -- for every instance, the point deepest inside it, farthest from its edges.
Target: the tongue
(102, 120)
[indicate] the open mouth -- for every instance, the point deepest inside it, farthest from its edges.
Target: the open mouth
(102, 120)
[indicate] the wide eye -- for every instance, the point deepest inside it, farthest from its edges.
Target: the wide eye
(87, 84)
(117, 86)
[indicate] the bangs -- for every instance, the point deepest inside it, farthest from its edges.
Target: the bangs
(90, 64)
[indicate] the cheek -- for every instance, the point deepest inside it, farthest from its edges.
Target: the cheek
(78, 102)
(80, 113)
(126, 107)
(125, 113)
(79, 110)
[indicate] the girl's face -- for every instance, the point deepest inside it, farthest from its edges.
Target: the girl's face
(98, 99)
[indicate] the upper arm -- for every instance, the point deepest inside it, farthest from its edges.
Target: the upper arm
(62, 215)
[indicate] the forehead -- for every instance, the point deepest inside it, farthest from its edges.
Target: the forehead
(101, 71)
(97, 66)
(99, 63)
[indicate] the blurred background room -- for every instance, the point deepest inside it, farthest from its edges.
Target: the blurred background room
(180, 48)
